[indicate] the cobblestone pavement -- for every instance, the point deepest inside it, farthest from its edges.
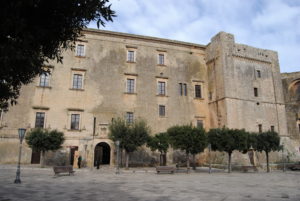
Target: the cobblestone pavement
(144, 184)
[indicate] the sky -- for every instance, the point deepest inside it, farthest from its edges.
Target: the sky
(266, 24)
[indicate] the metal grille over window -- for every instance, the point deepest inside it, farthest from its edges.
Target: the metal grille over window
(130, 85)
(75, 118)
(130, 56)
(182, 89)
(80, 50)
(129, 117)
(77, 81)
(39, 120)
(161, 59)
(162, 110)
(198, 91)
(44, 80)
(161, 88)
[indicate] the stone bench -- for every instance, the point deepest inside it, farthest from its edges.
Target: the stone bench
(165, 169)
(63, 169)
(246, 168)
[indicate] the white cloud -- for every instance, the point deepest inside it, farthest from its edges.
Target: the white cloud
(268, 24)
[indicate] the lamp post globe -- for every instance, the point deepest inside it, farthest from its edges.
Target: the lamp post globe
(21, 132)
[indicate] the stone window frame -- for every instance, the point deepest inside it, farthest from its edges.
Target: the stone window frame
(37, 123)
(75, 111)
(162, 110)
(161, 88)
(129, 116)
(80, 52)
(130, 76)
(44, 79)
(183, 89)
(81, 72)
(40, 109)
(260, 128)
(200, 93)
(199, 119)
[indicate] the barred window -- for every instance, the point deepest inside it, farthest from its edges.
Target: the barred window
(44, 79)
(161, 88)
(198, 91)
(129, 117)
(75, 118)
(182, 89)
(80, 51)
(258, 73)
(130, 56)
(161, 59)
(77, 81)
(130, 85)
(39, 119)
(162, 110)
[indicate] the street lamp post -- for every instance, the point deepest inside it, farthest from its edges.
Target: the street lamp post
(209, 149)
(118, 157)
(21, 132)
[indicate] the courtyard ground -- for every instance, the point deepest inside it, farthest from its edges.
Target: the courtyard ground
(144, 184)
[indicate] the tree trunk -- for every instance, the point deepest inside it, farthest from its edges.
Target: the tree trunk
(121, 159)
(268, 167)
(188, 161)
(229, 162)
(127, 160)
(164, 159)
(43, 159)
(194, 162)
(161, 159)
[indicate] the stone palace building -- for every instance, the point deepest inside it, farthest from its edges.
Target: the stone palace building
(165, 82)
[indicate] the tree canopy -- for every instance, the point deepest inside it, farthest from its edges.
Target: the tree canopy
(34, 32)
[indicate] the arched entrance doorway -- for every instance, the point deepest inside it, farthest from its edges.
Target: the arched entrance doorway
(102, 153)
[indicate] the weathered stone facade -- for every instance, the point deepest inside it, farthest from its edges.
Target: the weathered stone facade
(166, 82)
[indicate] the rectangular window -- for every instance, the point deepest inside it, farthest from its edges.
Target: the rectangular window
(161, 59)
(130, 56)
(130, 85)
(258, 73)
(39, 119)
(161, 88)
(260, 128)
(129, 117)
(255, 92)
(44, 80)
(199, 123)
(162, 110)
(272, 128)
(198, 91)
(77, 81)
(80, 51)
(75, 118)
(182, 89)
(299, 127)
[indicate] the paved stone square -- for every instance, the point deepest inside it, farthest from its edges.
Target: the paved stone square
(144, 184)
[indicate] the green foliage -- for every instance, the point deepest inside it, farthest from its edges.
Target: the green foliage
(34, 32)
(228, 140)
(131, 136)
(187, 138)
(268, 141)
(45, 140)
(159, 142)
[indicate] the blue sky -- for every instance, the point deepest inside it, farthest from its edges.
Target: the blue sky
(267, 24)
